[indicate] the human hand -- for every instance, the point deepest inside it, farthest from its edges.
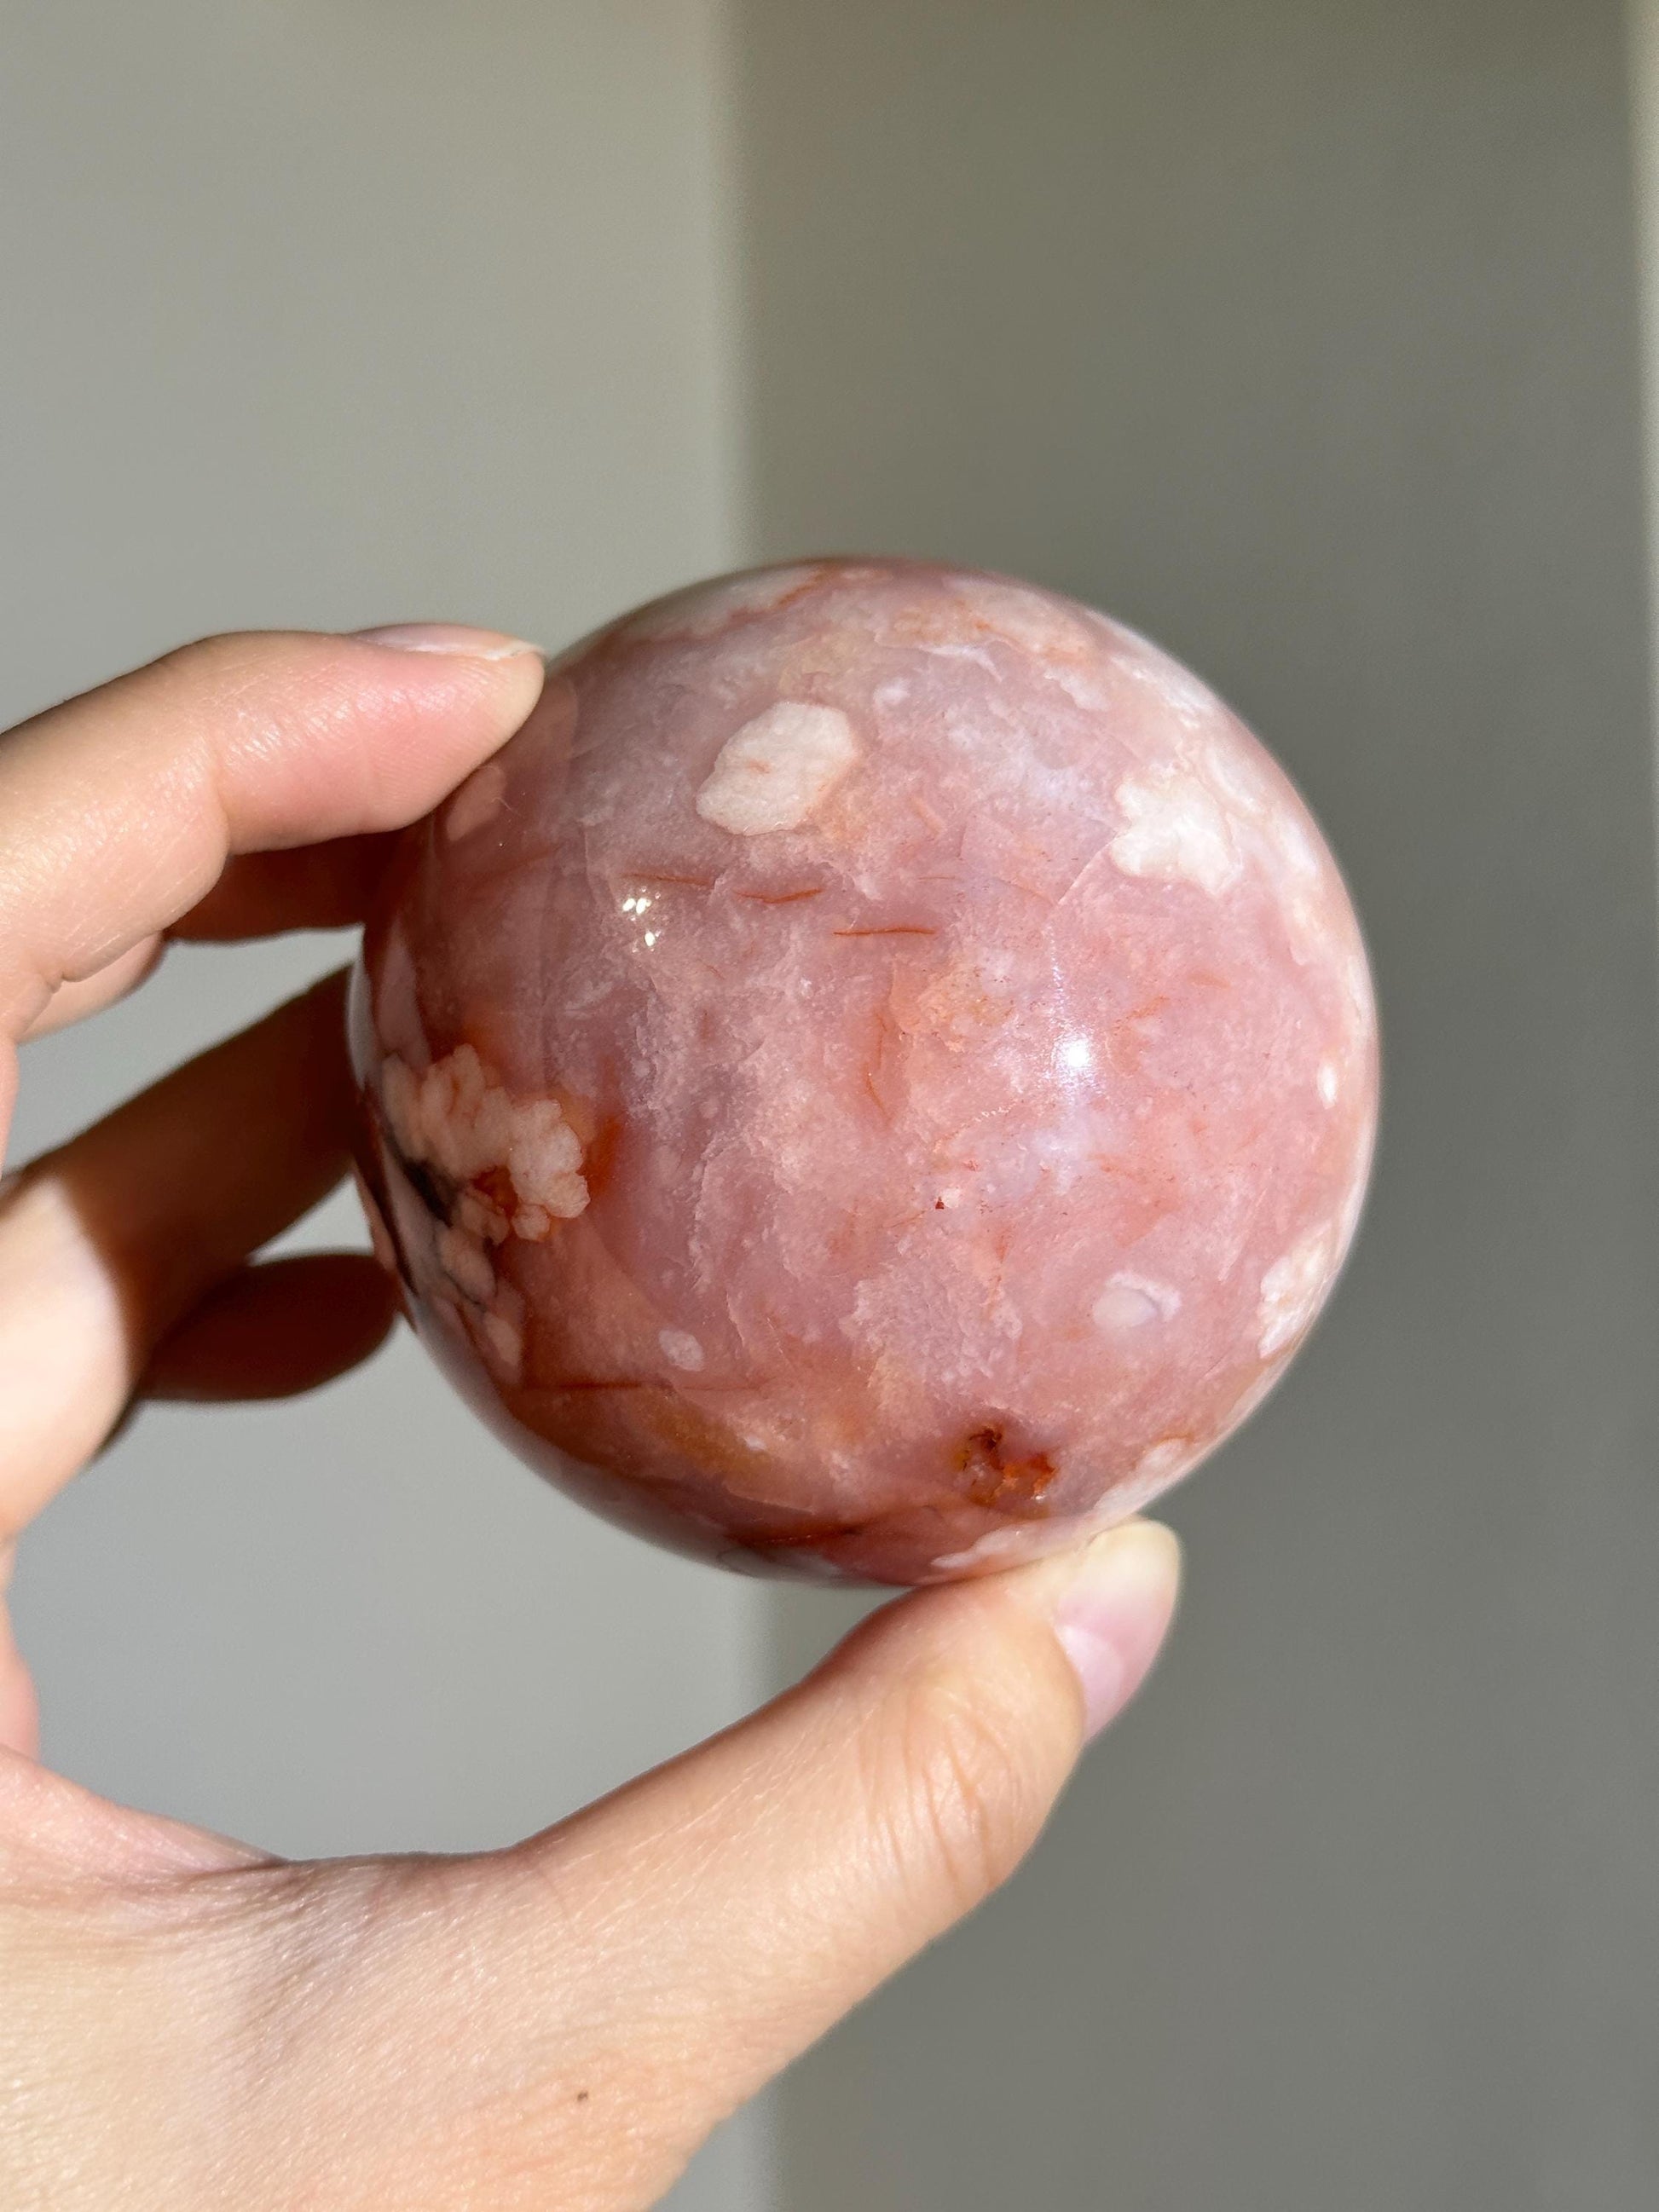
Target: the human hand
(187, 2022)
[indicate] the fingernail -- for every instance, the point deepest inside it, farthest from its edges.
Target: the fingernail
(1112, 1616)
(447, 637)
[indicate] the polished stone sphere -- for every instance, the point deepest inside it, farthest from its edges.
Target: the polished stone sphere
(875, 1080)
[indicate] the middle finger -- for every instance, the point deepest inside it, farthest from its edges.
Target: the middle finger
(108, 1242)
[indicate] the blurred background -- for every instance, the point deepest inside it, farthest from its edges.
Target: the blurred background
(1310, 336)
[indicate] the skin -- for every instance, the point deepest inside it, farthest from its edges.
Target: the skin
(187, 2021)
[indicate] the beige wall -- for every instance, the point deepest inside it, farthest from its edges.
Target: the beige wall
(1302, 332)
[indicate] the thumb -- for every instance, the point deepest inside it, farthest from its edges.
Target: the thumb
(634, 1974)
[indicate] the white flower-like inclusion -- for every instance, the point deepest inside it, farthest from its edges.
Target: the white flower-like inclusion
(460, 1119)
(772, 773)
(1293, 1288)
(1175, 829)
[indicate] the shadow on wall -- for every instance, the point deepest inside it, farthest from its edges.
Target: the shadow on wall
(1302, 337)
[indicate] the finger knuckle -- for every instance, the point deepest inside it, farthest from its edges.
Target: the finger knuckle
(969, 1803)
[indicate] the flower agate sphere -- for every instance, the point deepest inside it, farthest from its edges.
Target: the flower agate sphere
(875, 1079)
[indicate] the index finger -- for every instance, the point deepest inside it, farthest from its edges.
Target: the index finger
(119, 809)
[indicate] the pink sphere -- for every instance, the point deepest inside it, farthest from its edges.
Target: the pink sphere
(875, 1080)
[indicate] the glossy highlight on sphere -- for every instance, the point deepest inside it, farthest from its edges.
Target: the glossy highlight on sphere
(874, 1081)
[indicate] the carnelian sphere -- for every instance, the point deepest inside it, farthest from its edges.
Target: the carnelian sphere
(875, 1080)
